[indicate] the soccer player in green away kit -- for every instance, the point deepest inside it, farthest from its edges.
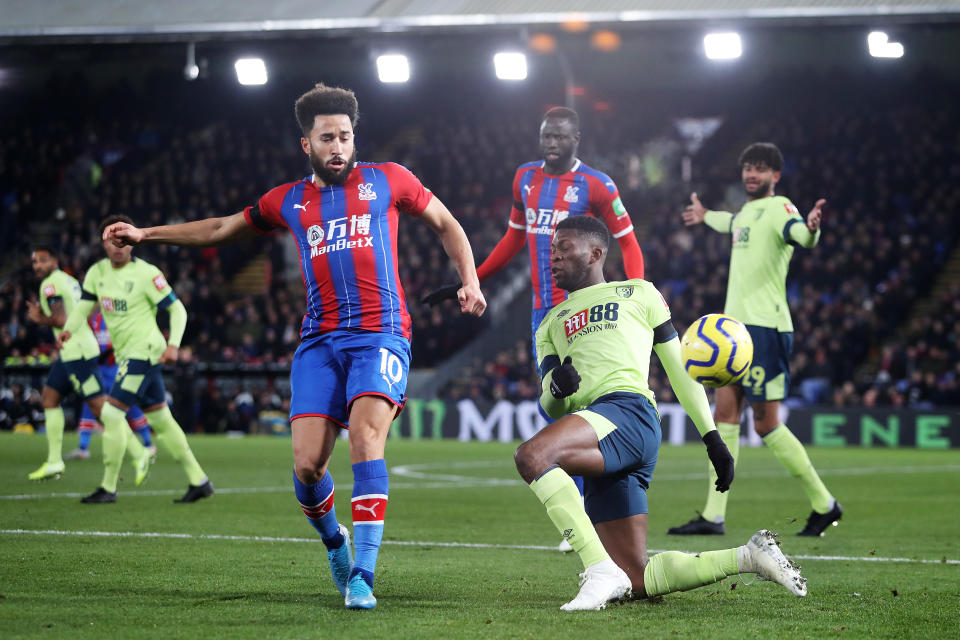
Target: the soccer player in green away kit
(764, 234)
(129, 292)
(76, 368)
(595, 358)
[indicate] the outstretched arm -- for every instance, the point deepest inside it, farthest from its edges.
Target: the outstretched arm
(693, 399)
(695, 213)
(457, 247)
(807, 235)
(202, 233)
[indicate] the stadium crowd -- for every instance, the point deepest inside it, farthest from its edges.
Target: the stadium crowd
(889, 174)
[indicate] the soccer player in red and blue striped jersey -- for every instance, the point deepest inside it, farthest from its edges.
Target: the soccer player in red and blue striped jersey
(350, 370)
(544, 193)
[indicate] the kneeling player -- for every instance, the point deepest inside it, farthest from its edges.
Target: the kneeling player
(608, 430)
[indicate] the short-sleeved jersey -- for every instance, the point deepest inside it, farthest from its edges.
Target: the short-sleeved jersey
(759, 261)
(541, 200)
(346, 237)
(128, 298)
(608, 330)
(99, 327)
(65, 288)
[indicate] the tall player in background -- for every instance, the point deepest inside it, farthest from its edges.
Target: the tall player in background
(544, 193)
(76, 368)
(764, 232)
(129, 292)
(350, 370)
(595, 358)
(108, 372)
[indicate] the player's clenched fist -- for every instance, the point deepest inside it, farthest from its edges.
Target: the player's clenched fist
(471, 300)
(566, 379)
(122, 234)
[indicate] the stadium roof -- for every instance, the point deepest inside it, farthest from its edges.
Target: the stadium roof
(98, 20)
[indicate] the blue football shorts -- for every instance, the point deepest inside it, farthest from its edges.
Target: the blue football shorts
(333, 369)
(628, 431)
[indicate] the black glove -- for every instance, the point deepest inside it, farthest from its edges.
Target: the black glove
(446, 292)
(565, 380)
(720, 458)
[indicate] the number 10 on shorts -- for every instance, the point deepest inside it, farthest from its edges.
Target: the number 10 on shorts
(390, 366)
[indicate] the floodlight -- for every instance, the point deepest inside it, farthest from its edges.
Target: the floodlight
(251, 71)
(879, 45)
(393, 68)
(510, 65)
(722, 46)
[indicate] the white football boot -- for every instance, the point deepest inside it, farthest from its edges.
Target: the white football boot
(762, 556)
(600, 583)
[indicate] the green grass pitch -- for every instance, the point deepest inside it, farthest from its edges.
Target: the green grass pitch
(245, 563)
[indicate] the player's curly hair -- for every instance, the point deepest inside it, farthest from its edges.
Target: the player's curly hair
(563, 113)
(325, 101)
(109, 220)
(587, 225)
(48, 248)
(763, 154)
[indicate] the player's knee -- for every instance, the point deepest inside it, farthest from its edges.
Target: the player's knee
(309, 471)
(529, 462)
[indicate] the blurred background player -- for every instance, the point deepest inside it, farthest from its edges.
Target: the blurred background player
(544, 193)
(76, 368)
(595, 350)
(764, 234)
(129, 292)
(350, 370)
(108, 372)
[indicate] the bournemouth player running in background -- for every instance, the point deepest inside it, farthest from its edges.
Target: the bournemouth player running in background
(595, 357)
(107, 364)
(76, 368)
(351, 368)
(764, 233)
(544, 193)
(129, 291)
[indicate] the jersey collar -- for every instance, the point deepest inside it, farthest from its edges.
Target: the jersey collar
(573, 169)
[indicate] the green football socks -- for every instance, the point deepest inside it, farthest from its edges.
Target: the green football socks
(174, 442)
(53, 420)
(791, 454)
(716, 508)
(558, 493)
(672, 571)
(116, 440)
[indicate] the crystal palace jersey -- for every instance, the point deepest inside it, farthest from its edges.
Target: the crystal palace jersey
(99, 327)
(541, 200)
(346, 237)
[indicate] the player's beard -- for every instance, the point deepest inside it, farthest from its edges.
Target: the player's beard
(329, 176)
(760, 191)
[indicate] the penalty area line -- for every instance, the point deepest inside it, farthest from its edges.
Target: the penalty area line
(413, 543)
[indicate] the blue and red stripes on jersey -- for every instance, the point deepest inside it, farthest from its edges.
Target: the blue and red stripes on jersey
(542, 200)
(346, 238)
(99, 326)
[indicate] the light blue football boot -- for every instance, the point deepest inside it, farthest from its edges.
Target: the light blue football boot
(341, 562)
(359, 594)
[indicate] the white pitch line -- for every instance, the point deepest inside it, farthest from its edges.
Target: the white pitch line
(446, 481)
(408, 543)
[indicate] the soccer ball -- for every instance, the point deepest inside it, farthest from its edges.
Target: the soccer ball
(716, 350)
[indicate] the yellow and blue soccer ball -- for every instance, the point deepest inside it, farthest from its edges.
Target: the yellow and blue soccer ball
(716, 350)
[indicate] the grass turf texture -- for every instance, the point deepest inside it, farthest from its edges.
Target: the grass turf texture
(899, 503)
